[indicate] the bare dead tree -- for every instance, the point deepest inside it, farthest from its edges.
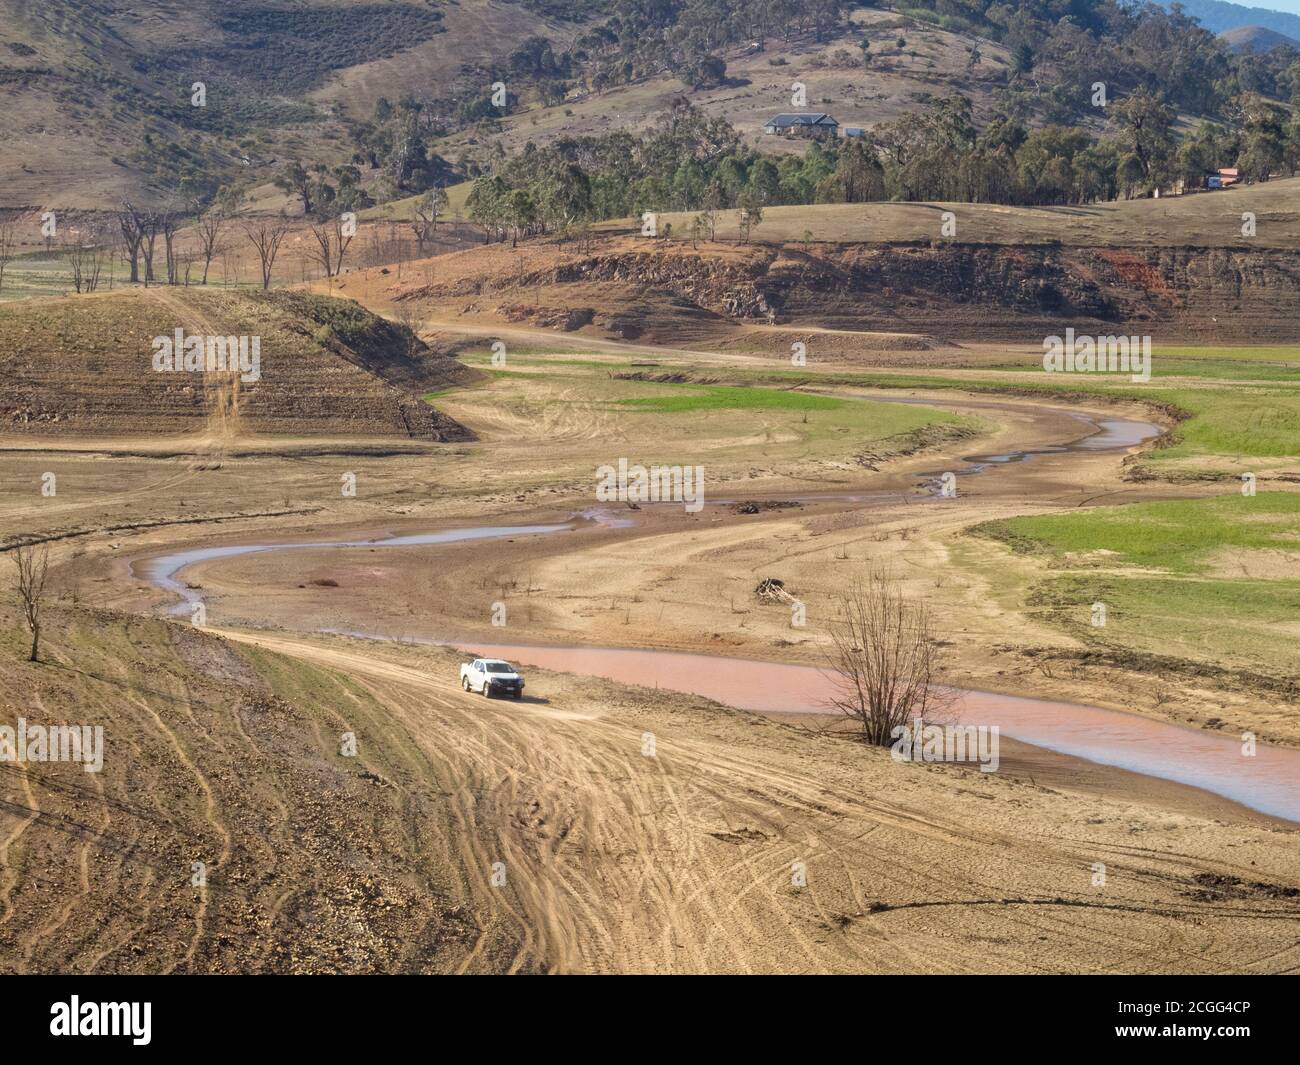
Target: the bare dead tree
(209, 229)
(169, 222)
(885, 659)
(710, 222)
(8, 249)
(149, 223)
(266, 236)
(86, 254)
(343, 235)
(111, 246)
(397, 248)
(332, 240)
(211, 222)
(32, 564)
(323, 253)
(130, 222)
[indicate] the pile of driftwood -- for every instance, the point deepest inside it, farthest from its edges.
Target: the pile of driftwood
(771, 590)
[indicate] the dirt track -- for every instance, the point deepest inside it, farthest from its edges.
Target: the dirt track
(682, 862)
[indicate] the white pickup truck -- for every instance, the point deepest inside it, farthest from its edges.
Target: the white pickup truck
(492, 677)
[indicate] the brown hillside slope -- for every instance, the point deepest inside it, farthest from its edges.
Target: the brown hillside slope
(82, 84)
(636, 289)
(85, 365)
(899, 81)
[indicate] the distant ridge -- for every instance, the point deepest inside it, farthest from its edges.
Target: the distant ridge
(1257, 39)
(1219, 16)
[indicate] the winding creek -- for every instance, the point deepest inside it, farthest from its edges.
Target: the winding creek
(1268, 782)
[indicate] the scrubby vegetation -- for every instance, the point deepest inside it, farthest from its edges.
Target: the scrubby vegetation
(1181, 536)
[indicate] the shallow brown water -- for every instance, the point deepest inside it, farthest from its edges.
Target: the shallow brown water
(1269, 781)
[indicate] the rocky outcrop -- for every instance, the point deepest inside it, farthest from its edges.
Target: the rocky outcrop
(943, 289)
(978, 290)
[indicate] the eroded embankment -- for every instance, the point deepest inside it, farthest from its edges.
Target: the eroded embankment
(323, 366)
(949, 290)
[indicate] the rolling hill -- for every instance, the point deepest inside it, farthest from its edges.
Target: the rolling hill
(99, 99)
(1218, 16)
(930, 62)
(1257, 39)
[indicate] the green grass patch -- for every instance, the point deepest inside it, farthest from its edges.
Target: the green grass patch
(1178, 537)
(1234, 424)
(1198, 618)
(1229, 423)
(1234, 364)
(689, 399)
(1213, 353)
(1186, 600)
(1180, 601)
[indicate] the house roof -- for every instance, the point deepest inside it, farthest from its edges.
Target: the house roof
(801, 119)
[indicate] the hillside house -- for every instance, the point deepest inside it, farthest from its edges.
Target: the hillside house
(854, 132)
(1224, 178)
(800, 124)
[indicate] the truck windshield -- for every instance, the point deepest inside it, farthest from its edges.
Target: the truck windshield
(499, 667)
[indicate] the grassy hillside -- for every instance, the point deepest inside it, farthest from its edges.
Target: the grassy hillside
(1219, 15)
(98, 97)
(232, 758)
(931, 62)
(1258, 39)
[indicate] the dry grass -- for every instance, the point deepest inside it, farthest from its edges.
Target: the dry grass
(1210, 219)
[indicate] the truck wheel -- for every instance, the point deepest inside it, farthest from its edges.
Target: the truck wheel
(464, 683)
(487, 690)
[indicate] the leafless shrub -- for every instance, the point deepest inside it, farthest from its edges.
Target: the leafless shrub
(407, 315)
(885, 659)
(332, 240)
(87, 255)
(32, 564)
(266, 236)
